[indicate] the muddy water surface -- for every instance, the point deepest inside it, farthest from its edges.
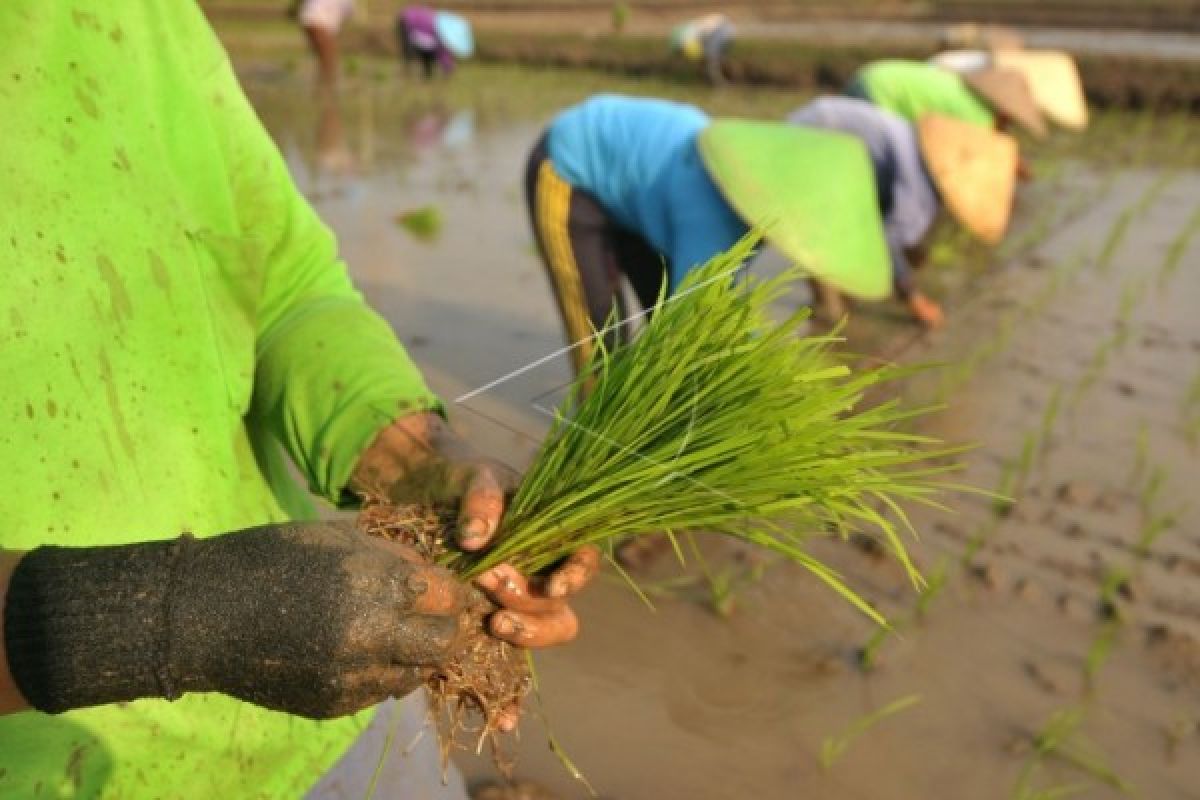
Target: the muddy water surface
(1079, 603)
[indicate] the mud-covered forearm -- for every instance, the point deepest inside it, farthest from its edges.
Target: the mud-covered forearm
(87, 626)
(316, 620)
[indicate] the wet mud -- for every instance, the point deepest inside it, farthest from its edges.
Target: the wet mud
(1060, 643)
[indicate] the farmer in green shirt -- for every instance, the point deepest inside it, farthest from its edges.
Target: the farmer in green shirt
(914, 89)
(174, 313)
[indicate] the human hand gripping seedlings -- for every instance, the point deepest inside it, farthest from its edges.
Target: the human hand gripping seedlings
(419, 461)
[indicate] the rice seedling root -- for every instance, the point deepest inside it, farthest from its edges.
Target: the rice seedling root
(486, 676)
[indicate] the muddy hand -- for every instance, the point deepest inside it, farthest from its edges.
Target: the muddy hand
(533, 612)
(314, 619)
(317, 620)
(926, 311)
(418, 459)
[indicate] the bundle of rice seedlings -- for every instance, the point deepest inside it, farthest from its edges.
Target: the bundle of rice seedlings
(717, 420)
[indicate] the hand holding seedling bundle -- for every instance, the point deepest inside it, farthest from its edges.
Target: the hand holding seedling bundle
(314, 619)
(716, 419)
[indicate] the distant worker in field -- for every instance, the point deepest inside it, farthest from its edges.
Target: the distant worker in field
(322, 20)
(706, 39)
(433, 37)
(970, 35)
(989, 97)
(648, 189)
(918, 168)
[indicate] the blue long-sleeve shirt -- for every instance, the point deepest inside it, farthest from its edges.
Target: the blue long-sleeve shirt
(908, 199)
(638, 158)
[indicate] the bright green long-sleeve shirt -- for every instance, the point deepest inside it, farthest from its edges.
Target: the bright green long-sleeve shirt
(171, 310)
(913, 89)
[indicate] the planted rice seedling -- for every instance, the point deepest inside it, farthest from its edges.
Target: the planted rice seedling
(1154, 486)
(1100, 650)
(936, 580)
(1177, 248)
(1029, 449)
(978, 539)
(1060, 739)
(832, 747)
(1131, 294)
(1005, 496)
(1116, 234)
(935, 583)
(1153, 530)
(1095, 367)
(868, 654)
(1050, 416)
(716, 419)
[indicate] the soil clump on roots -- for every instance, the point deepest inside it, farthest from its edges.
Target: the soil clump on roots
(486, 676)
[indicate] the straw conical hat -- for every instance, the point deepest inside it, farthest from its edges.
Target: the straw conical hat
(975, 171)
(811, 191)
(1007, 91)
(1054, 80)
(970, 34)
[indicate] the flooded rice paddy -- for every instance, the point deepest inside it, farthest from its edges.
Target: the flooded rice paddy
(1059, 645)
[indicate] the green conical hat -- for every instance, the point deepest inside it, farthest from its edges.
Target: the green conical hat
(811, 191)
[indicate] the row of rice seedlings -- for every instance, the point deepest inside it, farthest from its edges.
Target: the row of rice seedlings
(1178, 247)
(954, 376)
(833, 747)
(1120, 227)
(1060, 739)
(1154, 525)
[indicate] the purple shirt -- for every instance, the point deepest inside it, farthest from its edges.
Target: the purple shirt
(421, 28)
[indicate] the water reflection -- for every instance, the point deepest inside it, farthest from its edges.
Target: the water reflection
(471, 304)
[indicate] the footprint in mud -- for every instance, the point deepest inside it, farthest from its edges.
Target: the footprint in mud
(720, 699)
(1056, 679)
(1176, 654)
